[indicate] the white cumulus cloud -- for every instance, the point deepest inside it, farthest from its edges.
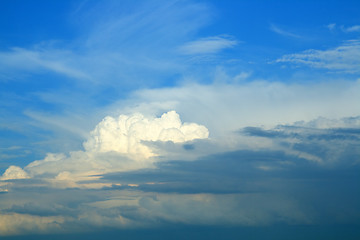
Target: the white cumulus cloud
(14, 172)
(116, 144)
(127, 133)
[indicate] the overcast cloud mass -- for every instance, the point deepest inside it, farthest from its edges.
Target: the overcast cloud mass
(179, 120)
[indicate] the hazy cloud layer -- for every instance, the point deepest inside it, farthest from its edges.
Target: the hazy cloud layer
(255, 103)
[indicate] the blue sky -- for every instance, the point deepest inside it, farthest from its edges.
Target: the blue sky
(187, 115)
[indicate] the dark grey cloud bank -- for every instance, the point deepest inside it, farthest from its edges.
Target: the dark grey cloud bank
(327, 189)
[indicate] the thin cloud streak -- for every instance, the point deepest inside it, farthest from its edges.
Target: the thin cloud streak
(344, 58)
(282, 32)
(34, 60)
(209, 45)
(355, 28)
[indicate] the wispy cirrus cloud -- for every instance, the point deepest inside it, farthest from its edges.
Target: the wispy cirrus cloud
(208, 45)
(344, 58)
(34, 60)
(283, 32)
(112, 45)
(348, 29)
(355, 28)
(331, 26)
(112, 51)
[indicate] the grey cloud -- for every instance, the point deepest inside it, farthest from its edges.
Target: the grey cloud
(219, 188)
(33, 208)
(231, 172)
(304, 133)
(334, 146)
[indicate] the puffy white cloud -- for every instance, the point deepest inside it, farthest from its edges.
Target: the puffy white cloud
(116, 144)
(14, 172)
(126, 134)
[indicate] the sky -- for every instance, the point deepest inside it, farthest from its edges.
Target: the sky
(179, 119)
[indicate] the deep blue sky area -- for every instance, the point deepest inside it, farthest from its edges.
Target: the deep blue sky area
(179, 119)
(25, 23)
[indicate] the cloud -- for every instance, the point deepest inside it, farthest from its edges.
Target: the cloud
(344, 58)
(15, 224)
(58, 61)
(210, 209)
(64, 124)
(134, 169)
(14, 172)
(247, 187)
(355, 28)
(331, 26)
(282, 32)
(133, 209)
(351, 29)
(255, 103)
(110, 53)
(328, 142)
(133, 141)
(114, 145)
(126, 134)
(112, 46)
(209, 45)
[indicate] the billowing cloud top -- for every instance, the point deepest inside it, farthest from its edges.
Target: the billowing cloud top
(116, 144)
(14, 172)
(126, 134)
